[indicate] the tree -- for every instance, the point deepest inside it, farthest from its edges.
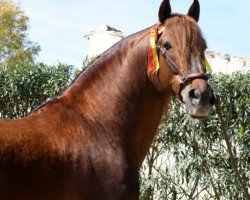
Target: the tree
(14, 43)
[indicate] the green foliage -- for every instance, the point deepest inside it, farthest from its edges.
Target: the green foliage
(189, 157)
(28, 85)
(14, 43)
(87, 60)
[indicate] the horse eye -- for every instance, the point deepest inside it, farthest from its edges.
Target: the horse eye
(167, 46)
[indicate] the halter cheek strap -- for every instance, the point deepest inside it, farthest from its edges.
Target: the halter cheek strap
(153, 63)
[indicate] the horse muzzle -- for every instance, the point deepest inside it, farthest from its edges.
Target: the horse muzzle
(198, 98)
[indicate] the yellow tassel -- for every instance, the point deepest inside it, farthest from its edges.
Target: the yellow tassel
(208, 66)
(153, 39)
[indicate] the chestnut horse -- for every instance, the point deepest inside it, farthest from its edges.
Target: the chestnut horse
(89, 143)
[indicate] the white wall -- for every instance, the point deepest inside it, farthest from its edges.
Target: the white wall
(226, 63)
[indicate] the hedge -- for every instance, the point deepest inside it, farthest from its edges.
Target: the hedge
(25, 86)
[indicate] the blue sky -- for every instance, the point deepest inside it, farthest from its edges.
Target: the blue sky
(59, 25)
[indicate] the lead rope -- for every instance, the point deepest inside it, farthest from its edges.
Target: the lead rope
(233, 162)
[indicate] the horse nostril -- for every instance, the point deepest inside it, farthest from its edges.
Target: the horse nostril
(201, 97)
(195, 97)
(194, 94)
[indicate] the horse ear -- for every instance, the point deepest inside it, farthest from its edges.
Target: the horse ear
(164, 11)
(194, 10)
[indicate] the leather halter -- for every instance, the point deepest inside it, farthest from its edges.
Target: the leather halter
(185, 79)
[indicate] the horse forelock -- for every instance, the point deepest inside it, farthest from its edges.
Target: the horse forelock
(187, 38)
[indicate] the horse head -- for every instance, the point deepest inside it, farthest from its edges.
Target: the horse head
(181, 69)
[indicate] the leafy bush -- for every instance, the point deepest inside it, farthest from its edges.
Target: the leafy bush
(189, 160)
(26, 86)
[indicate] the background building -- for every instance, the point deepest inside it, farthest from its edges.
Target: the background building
(105, 36)
(102, 38)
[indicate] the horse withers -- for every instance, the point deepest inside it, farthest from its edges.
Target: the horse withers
(89, 143)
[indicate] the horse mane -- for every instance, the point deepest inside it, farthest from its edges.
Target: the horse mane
(92, 67)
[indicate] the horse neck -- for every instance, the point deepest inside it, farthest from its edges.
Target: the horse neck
(116, 98)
